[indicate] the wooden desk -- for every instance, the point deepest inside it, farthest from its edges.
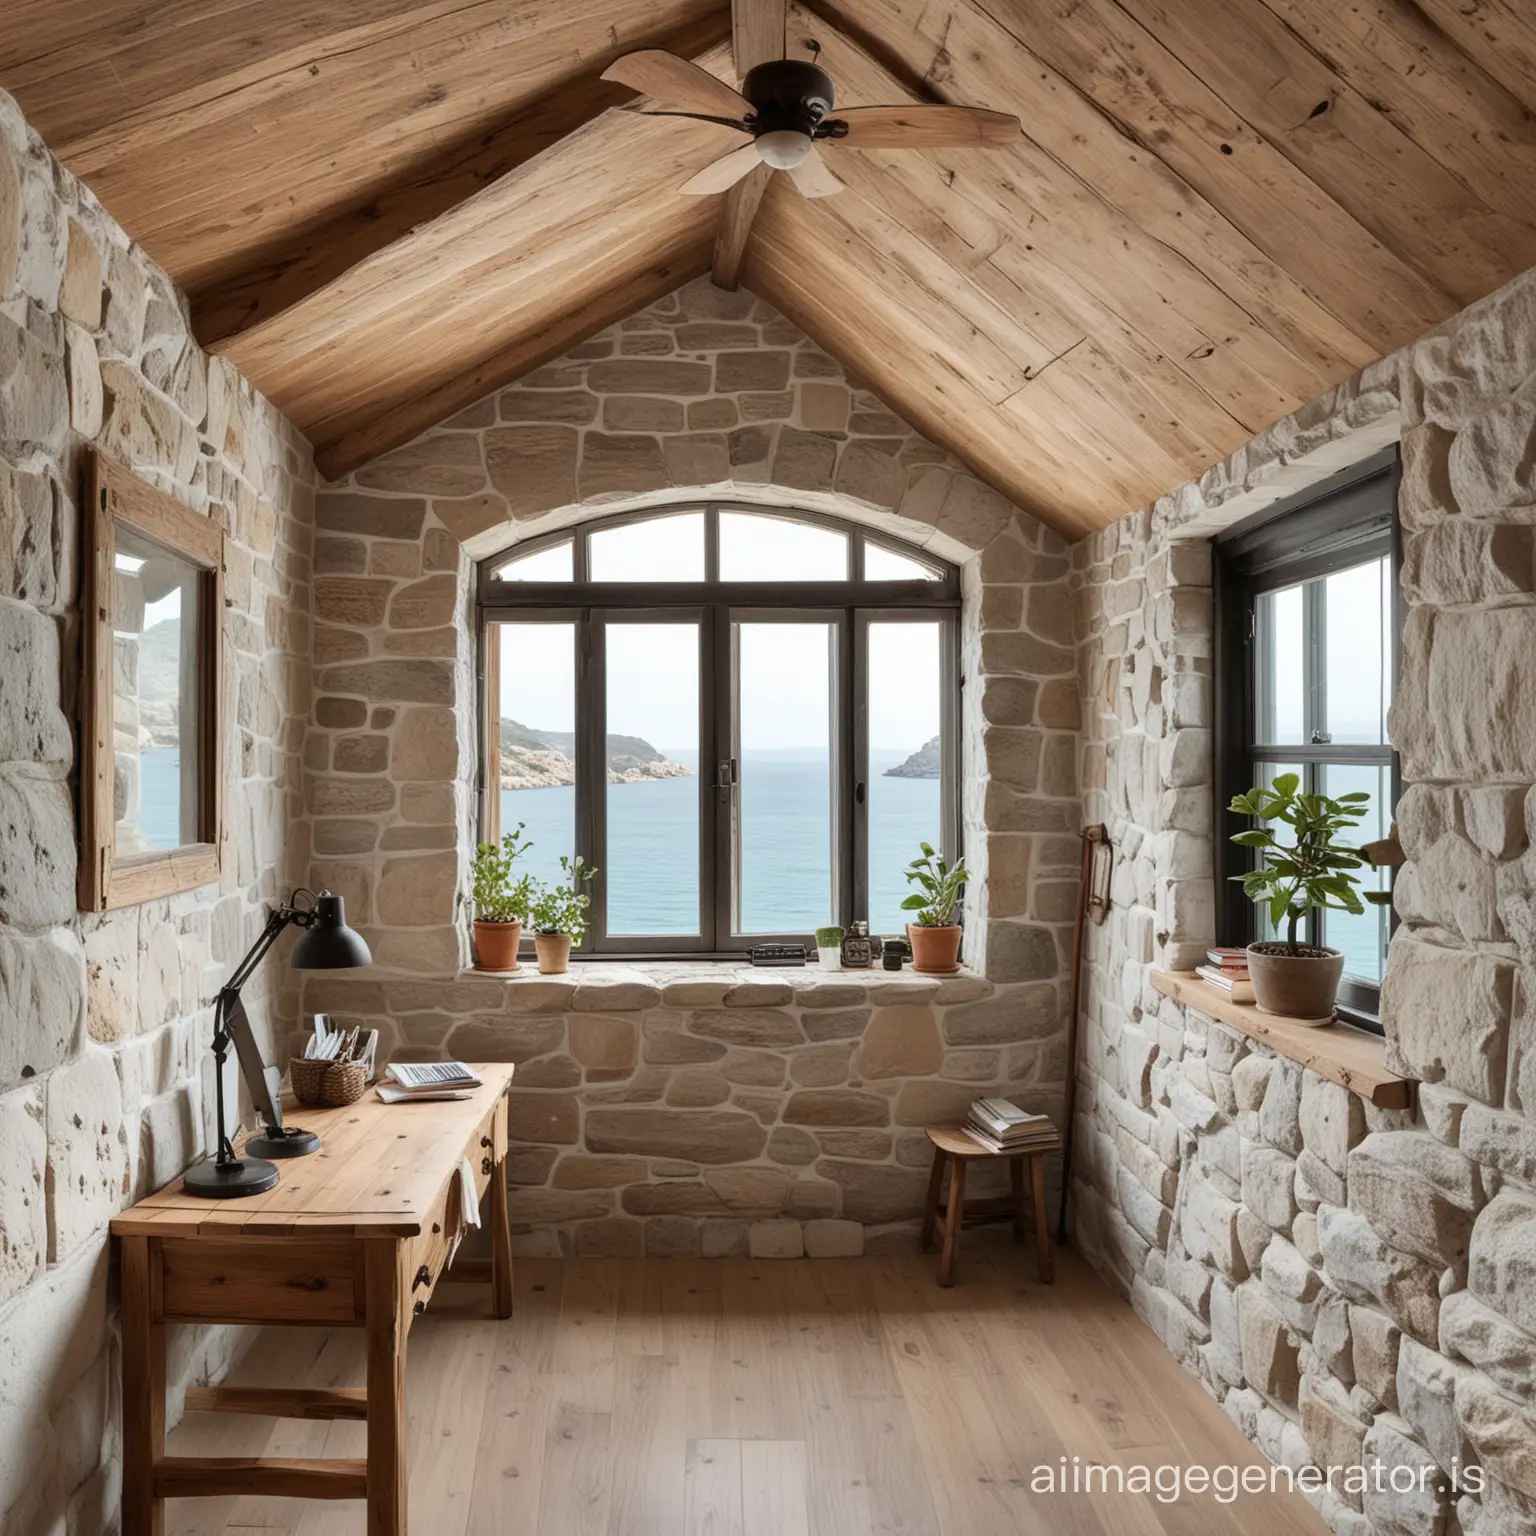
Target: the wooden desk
(355, 1236)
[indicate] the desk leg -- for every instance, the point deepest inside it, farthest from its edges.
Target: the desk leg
(501, 1243)
(388, 1299)
(1046, 1267)
(143, 1392)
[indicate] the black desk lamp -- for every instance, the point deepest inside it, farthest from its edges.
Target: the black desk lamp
(327, 945)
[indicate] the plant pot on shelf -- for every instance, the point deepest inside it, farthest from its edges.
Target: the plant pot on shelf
(935, 951)
(496, 945)
(1301, 986)
(554, 952)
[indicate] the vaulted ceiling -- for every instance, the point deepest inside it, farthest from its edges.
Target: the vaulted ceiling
(381, 209)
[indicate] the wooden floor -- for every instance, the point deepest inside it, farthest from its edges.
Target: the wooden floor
(746, 1398)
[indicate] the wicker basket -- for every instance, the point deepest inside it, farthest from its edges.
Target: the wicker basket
(326, 1084)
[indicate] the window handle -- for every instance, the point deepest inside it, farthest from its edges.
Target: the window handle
(1321, 738)
(726, 777)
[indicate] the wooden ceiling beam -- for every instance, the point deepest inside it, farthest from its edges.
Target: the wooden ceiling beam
(618, 299)
(317, 256)
(738, 209)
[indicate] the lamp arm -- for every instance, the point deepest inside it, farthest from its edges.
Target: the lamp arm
(279, 919)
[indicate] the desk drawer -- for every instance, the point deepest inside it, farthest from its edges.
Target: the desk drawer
(485, 1150)
(259, 1280)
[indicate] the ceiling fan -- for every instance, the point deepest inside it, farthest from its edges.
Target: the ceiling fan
(786, 107)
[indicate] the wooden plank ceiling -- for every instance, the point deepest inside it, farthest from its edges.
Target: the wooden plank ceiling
(381, 209)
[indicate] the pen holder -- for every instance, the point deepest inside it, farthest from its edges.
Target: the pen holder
(326, 1084)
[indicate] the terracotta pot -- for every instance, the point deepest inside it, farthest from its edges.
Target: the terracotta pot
(935, 951)
(1301, 987)
(554, 951)
(496, 945)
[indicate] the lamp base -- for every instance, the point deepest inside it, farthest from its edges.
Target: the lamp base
(291, 1141)
(229, 1181)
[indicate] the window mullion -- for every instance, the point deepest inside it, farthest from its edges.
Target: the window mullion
(591, 766)
(852, 737)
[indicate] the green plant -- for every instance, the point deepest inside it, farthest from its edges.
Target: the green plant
(562, 908)
(1314, 870)
(939, 888)
(829, 938)
(498, 897)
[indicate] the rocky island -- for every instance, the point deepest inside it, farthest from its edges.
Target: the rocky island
(923, 764)
(539, 759)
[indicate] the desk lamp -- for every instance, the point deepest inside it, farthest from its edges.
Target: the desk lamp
(328, 944)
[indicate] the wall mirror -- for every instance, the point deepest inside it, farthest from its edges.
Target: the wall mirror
(150, 811)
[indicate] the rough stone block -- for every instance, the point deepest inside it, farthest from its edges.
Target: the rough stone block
(87, 1152)
(1359, 1263)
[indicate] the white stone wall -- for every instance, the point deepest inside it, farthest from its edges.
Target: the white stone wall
(1352, 1284)
(104, 1021)
(705, 393)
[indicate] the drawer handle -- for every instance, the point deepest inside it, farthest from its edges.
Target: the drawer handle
(423, 1277)
(418, 1309)
(485, 1165)
(485, 1141)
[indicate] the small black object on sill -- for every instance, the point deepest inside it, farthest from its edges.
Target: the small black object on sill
(328, 944)
(894, 954)
(777, 954)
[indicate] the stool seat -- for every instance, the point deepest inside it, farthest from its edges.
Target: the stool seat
(952, 1146)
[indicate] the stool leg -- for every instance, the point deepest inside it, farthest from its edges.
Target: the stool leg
(953, 1219)
(931, 1210)
(1016, 1182)
(1045, 1265)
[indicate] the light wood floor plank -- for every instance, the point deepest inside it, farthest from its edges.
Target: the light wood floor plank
(748, 1397)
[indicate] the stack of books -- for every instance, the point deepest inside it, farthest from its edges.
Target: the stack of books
(410, 1082)
(1001, 1126)
(1228, 969)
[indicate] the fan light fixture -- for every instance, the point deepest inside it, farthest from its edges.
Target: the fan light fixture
(783, 149)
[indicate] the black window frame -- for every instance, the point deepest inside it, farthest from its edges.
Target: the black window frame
(1343, 521)
(851, 605)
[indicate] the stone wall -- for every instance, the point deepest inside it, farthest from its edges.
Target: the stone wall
(104, 1021)
(703, 394)
(1353, 1284)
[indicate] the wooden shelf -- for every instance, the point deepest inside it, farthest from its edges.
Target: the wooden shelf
(1350, 1057)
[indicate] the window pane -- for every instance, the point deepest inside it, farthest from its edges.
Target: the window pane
(537, 732)
(1264, 775)
(905, 761)
(552, 564)
(754, 548)
(155, 696)
(1363, 939)
(651, 864)
(1355, 602)
(881, 564)
(653, 549)
(1279, 713)
(784, 805)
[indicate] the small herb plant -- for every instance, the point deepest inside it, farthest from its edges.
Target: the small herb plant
(939, 889)
(498, 896)
(1314, 869)
(562, 908)
(829, 938)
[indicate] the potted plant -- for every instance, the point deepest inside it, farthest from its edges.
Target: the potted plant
(933, 932)
(559, 916)
(1300, 981)
(501, 902)
(829, 947)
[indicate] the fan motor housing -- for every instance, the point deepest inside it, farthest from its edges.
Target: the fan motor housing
(788, 94)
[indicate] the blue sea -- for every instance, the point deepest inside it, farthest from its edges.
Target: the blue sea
(160, 797)
(786, 843)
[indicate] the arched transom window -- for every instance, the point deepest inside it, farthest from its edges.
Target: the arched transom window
(745, 719)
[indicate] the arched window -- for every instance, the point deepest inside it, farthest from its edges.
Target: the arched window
(777, 692)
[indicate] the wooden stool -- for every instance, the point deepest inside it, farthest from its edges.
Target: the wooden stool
(952, 1145)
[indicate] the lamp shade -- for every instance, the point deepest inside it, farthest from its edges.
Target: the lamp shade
(328, 944)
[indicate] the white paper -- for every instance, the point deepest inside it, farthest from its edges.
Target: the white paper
(469, 1199)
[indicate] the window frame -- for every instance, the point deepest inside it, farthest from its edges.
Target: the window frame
(851, 605)
(1344, 521)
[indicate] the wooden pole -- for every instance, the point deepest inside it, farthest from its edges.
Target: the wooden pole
(1092, 837)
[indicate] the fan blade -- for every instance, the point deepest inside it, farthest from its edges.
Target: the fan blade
(757, 33)
(814, 178)
(674, 82)
(927, 128)
(722, 174)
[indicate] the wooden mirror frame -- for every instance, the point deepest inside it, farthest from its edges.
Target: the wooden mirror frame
(115, 496)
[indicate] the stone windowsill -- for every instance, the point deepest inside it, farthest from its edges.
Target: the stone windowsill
(1346, 1056)
(603, 986)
